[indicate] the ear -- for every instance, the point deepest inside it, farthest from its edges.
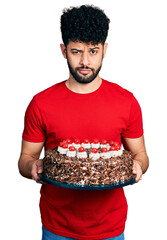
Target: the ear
(63, 50)
(105, 49)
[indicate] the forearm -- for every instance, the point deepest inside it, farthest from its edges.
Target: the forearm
(25, 165)
(143, 160)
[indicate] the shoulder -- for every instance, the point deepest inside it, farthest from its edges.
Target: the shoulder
(118, 91)
(49, 93)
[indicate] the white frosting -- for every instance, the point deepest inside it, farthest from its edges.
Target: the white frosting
(95, 145)
(81, 155)
(63, 150)
(116, 153)
(105, 155)
(71, 153)
(59, 149)
(94, 156)
(76, 145)
(104, 145)
(86, 145)
(108, 146)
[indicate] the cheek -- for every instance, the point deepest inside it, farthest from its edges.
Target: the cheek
(74, 61)
(96, 62)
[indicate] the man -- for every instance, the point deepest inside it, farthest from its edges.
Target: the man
(84, 106)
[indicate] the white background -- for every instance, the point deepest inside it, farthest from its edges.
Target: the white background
(31, 60)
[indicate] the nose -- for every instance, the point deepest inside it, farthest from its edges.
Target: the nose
(84, 60)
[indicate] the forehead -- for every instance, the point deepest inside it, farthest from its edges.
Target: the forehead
(82, 45)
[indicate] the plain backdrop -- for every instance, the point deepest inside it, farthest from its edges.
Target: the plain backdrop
(31, 60)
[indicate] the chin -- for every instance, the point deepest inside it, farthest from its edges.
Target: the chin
(84, 81)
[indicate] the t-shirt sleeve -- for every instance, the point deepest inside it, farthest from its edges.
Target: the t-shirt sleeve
(135, 123)
(34, 128)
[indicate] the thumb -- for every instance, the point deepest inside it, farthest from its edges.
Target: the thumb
(39, 165)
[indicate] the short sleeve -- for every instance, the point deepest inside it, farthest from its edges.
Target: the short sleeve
(34, 128)
(135, 123)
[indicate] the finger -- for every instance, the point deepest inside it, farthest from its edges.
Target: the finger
(137, 173)
(39, 166)
(134, 171)
(138, 178)
(39, 181)
(34, 172)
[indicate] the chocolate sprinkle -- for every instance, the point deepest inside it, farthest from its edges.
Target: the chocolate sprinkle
(85, 171)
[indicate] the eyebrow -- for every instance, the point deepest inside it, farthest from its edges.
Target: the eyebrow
(75, 49)
(94, 48)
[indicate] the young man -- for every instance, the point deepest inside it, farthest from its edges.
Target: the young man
(84, 106)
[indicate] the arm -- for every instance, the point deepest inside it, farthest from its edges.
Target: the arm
(141, 161)
(29, 163)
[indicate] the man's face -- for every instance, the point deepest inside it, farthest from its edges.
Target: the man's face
(84, 61)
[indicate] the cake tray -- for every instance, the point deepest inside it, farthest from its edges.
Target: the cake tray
(47, 180)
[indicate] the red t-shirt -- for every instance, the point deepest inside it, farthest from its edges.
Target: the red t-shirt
(57, 113)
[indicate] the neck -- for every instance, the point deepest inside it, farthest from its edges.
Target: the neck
(77, 87)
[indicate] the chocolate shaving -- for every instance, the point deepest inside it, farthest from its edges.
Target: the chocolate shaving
(85, 171)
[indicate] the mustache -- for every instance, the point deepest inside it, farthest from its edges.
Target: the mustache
(84, 67)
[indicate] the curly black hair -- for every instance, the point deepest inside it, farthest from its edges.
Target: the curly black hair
(86, 23)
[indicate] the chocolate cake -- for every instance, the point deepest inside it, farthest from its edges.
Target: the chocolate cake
(88, 163)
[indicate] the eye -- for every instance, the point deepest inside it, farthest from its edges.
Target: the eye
(75, 52)
(93, 52)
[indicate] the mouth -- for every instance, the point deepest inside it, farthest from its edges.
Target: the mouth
(84, 71)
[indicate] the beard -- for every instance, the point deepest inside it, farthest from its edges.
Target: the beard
(80, 79)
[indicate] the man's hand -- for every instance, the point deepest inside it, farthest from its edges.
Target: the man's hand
(137, 170)
(29, 163)
(37, 167)
(141, 161)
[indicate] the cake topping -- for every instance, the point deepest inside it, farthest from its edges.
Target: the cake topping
(63, 148)
(86, 144)
(116, 144)
(94, 150)
(77, 141)
(112, 143)
(69, 141)
(103, 150)
(65, 145)
(71, 152)
(81, 153)
(118, 147)
(115, 150)
(104, 153)
(71, 148)
(115, 147)
(95, 143)
(94, 154)
(60, 147)
(104, 142)
(61, 144)
(81, 149)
